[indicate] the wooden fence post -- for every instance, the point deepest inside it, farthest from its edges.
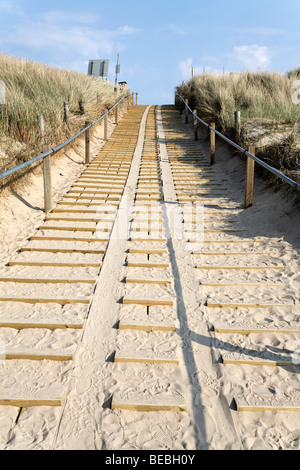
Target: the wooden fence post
(212, 144)
(237, 119)
(46, 167)
(116, 114)
(195, 125)
(87, 144)
(105, 127)
(81, 106)
(186, 112)
(136, 99)
(66, 113)
(249, 185)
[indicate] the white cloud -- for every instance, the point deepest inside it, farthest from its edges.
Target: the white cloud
(185, 67)
(253, 57)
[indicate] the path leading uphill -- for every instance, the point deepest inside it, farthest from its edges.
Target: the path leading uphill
(150, 310)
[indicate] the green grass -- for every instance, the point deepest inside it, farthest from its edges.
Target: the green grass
(33, 89)
(264, 100)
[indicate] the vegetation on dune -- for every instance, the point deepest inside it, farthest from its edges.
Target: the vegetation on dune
(270, 118)
(32, 89)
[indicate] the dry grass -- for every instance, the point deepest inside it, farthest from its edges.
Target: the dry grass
(269, 118)
(32, 89)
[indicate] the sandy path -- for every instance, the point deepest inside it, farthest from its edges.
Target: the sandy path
(181, 248)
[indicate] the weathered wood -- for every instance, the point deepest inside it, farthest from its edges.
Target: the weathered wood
(243, 406)
(144, 405)
(237, 119)
(147, 326)
(255, 330)
(46, 167)
(30, 402)
(212, 143)
(47, 325)
(33, 280)
(87, 144)
(45, 300)
(54, 264)
(240, 267)
(241, 305)
(105, 128)
(147, 281)
(147, 302)
(249, 184)
(66, 113)
(34, 355)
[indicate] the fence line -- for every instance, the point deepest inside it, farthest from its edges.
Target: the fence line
(249, 154)
(45, 156)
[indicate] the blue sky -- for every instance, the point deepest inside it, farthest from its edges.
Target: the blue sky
(158, 41)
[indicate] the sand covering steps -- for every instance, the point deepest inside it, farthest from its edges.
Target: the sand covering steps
(59, 266)
(240, 280)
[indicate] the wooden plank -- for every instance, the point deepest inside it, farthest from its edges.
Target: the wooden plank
(146, 326)
(69, 229)
(63, 250)
(70, 239)
(146, 358)
(255, 330)
(24, 402)
(54, 264)
(44, 300)
(147, 281)
(240, 305)
(240, 267)
(34, 355)
(47, 325)
(146, 302)
(147, 251)
(243, 406)
(231, 253)
(33, 280)
(146, 405)
(237, 284)
(148, 265)
(256, 361)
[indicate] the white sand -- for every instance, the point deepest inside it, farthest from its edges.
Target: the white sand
(205, 385)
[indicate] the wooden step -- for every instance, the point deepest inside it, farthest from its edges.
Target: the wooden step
(33, 280)
(241, 305)
(146, 326)
(143, 357)
(63, 250)
(36, 355)
(54, 264)
(140, 403)
(148, 265)
(286, 406)
(147, 281)
(47, 325)
(28, 402)
(224, 329)
(146, 302)
(245, 268)
(246, 359)
(45, 300)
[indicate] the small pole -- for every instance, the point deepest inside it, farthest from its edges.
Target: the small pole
(66, 113)
(249, 185)
(116, 114)
(81, 106)
(136, 99)
(195, 125)
(237, 118)
(46, 167)
(87, 144)
(186, 112)
(105, 127)
(212, 143)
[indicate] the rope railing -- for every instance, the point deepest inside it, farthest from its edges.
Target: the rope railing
(251, 158)
(47, 154)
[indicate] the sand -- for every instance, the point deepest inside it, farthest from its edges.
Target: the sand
(200, 380)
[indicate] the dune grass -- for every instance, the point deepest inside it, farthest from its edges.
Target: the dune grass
(33, 89)
(266, 106)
